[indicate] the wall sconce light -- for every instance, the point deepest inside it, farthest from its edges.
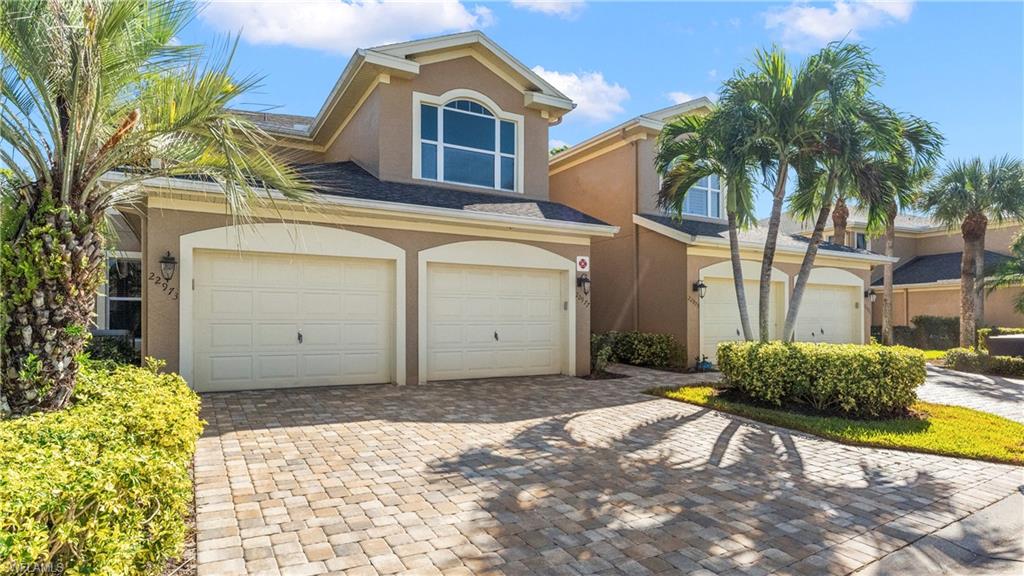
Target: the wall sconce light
(167, 265)
(583, 281)
(700, 288)
(870, 295)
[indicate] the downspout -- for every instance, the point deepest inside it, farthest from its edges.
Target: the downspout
(636, 236)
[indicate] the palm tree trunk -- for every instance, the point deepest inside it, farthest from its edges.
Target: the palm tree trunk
(51, 275)
(888, 335)
(737, 276)
(979, 284)
(764, 294)
(807, 264)
(973, 230)
(840, 216)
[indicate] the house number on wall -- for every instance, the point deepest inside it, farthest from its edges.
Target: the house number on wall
(171, 291)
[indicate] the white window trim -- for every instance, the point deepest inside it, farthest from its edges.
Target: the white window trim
(103, 296)
(419, 98)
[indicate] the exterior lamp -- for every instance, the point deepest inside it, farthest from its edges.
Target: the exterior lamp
(167, 266)
(870, 295)
(583, 281)
(700, 288)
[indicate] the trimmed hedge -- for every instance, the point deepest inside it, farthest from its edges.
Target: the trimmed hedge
(984, 333)
(119, 349)
(847, 379)
(636, 348)
(967, 360)
(101, 487)
(925, 332)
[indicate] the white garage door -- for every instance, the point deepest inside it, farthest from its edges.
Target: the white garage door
(720, 315)
(489, 321)
(268, 320)
(829, 313)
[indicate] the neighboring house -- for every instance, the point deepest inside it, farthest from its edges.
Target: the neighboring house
(926, 280)
(648, 276)
(432, 252)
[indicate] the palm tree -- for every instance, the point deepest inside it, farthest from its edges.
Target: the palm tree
(90, 86)
(691, 148)
(968, 195)
(1011, 272)
(775, 109)
(919, 146)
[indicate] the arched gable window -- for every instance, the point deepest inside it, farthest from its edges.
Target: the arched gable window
(464, 142)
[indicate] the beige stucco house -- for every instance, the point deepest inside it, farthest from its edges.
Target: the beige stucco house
(432, 252)
(648, 276)
(926, 280)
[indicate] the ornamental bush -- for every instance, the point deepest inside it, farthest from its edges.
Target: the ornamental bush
(637, 348)
(967, 360)
(101, 487)
(847, 379)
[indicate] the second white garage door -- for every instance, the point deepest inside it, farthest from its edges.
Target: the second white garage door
(490, 321)
(720, 316)
(270, 320)
(829, 313)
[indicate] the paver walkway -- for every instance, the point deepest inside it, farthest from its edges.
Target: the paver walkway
(1001, 396)
(551, 475)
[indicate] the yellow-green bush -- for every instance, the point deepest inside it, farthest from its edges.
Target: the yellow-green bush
(967, 360)
(101, 487)
(848, 379)
(636, 348)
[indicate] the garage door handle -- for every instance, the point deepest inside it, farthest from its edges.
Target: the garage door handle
(495, 335)
(300, 336)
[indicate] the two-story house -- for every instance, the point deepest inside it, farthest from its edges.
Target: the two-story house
(432, 251)
(926, 280)
(674, 275)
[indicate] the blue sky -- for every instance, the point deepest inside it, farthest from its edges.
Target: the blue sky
(958, 64)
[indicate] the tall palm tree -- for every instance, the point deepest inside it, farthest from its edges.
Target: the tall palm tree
(691, 148)
(1011, 272)
(967, 195)
(87, 87)
(774, 108)
(840, 219)
(918, 148)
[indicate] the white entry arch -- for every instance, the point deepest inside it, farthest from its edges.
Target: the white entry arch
(284, 238)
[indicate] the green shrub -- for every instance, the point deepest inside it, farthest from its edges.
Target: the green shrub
(640, 348)
(101, 487)
(984, 333)
(600, 352)
(848, 379)
(119, 349)
(925, 332)
(967, 360)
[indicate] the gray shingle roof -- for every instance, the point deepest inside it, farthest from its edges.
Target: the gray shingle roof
(280, 123)
(754, 235)
(347, 179)
(937, 267)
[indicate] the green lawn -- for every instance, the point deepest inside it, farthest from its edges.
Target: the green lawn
(931, 355)
(945, 430)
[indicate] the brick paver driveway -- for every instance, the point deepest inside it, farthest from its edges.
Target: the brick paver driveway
(992, 394)
(550, 475)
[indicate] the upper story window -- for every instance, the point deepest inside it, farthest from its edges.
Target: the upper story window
(464, 141)
(704, 198)
(861, 241)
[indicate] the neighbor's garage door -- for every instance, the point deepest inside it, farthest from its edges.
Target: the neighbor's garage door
(490, 321)
(250, 309)
(829, 313)
(720, 316)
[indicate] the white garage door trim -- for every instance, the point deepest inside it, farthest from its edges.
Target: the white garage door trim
(498, 253)
(840, 277)
(282, 238)
(751, 271)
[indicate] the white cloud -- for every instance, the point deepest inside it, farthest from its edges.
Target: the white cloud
(342, 26)
(805, 26)
(563, 8)
(595, 98)
(680, 97)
